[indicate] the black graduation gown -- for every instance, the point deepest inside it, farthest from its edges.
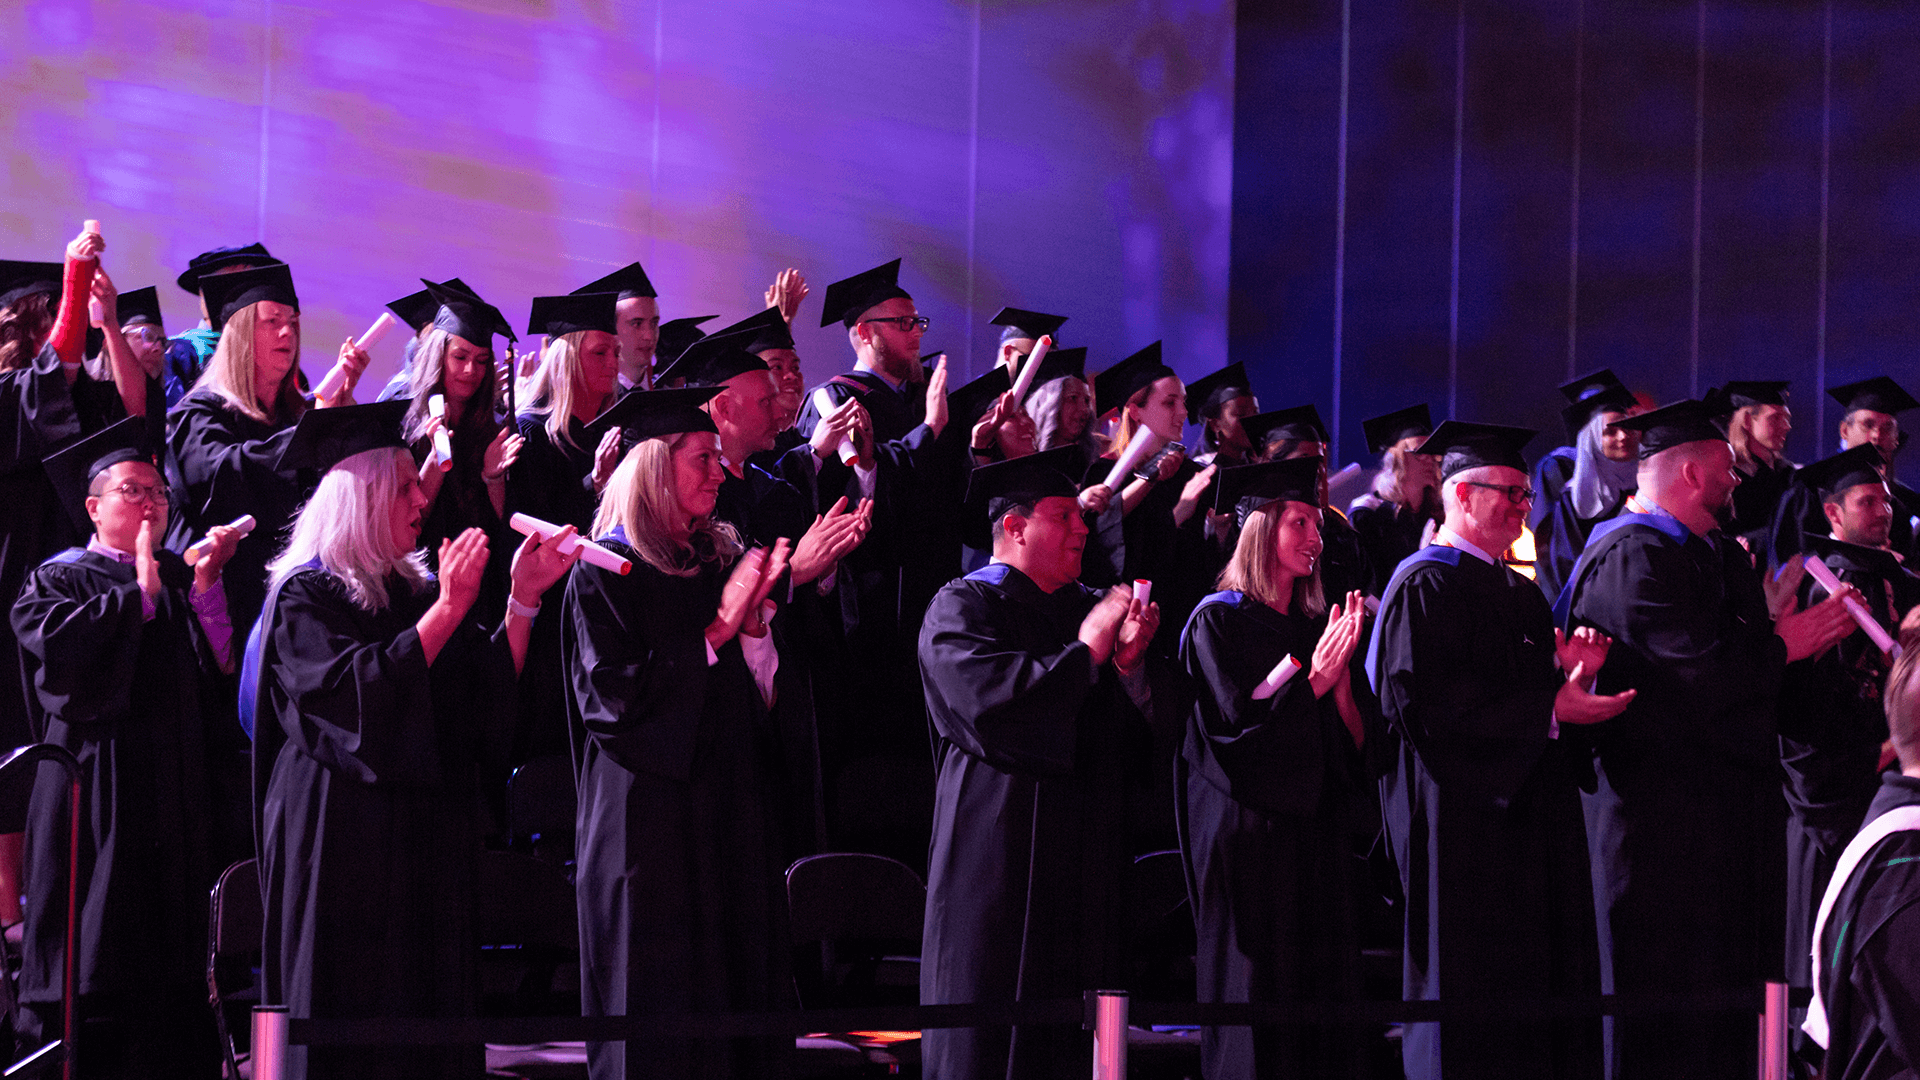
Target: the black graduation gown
(1687, 828)
(1560, 538)
(1551, 475)
(553, 482)
(366, 767)
(1388, 533)
(40, 414)
(221, 464)
(1483, 816)
(1038, 753)
(1268, 791)
(1754, 502)
(1344, 565)
(681, 896)
(1831, 727)
(1870, 978)
(124, 695)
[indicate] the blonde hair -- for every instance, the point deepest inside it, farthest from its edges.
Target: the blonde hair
(1254, 568)
(1740, 434)
(555, 382)
(1899, 697)
(230, 372)
(640, 497)
(347, 527)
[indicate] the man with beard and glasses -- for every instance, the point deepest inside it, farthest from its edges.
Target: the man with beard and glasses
(1685, 826)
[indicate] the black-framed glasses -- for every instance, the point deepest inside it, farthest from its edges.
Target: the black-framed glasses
(140, 493)
(1516, 493)
(907, 323)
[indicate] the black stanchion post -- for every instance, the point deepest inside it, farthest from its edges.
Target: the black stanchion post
(1109, 1034)
(269, 1042)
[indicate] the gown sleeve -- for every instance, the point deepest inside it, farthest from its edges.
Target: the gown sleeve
(81, 644)
(639, 673)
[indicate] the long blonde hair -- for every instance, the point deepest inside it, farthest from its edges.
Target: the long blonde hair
(347, 527)
(640, 497)
(230, 372)
(1254, 568)
(555, 382)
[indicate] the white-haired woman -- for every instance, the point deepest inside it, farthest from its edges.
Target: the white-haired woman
(679, 878)
(380, 695)
(1271, 780)
(224, 438)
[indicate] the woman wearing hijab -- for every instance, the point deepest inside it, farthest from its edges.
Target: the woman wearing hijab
(1605, 467)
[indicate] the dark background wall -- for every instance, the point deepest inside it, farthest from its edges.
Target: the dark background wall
(1466, 202)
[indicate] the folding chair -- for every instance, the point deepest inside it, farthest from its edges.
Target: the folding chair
(18, 771)
(540, 810)
(236, 920)
(861, 914)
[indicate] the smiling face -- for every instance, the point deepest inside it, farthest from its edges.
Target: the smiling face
(785, 365)
(1163, 408)
(463, 371)
(1296, 539)
(697, 473)
(1076, 412)
(1493, 519)
(1768, 427)
(276, 345)
(409, 506)
(1618, 443)
(116, 518)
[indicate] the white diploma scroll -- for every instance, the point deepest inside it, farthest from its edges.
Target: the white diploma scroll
(442, 445)
(527, 525)
(1286, 669)
(1867, 622)
(337, 375)
(244, 524)
(90, 225)
(1142, 446)
(1143, 591)
(823, 404)
(1024, 381)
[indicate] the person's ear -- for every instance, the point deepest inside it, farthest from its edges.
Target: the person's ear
(93, 510)
(1833, 516)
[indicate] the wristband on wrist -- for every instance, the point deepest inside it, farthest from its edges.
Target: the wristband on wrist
(515, 607)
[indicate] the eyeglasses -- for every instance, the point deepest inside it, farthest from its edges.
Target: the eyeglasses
(1516, 493)
(140, 493)
(907, 323)
(146, 335)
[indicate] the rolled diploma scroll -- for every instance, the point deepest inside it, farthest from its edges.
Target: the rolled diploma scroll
(90, 225)
(244, 523)
(337, 375)
(1286, 669)
(1031, 368)
(1372, 606)
(1140, 448)
(823, 404)
(1860, 614)
(1143, 591)
(442, 446)
(528, 525)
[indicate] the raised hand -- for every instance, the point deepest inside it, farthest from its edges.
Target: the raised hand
(1814, 630)
(463, 561)
(1190, 495)
(1783, 589)
(1585, 646)
(606, 457)
(834, 427)
(1002, 411)
(501, 453)
(538, 564)
(1135, 634)
(353, 361)
(937, 397)
(1337, 642)
(86, 247)
(828, 540)
(786, 292)
(105, 310)
(1096, 499)
(145, 570)
(210, 558)
(1101, 628)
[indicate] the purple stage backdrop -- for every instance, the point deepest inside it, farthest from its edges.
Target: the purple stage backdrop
(1067, 156)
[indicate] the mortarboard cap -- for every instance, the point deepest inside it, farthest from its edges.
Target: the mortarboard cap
(629, 281)
(22, 279)
(416, 308)
(713, 360)
(464, 315)
(1677, 424)
(326, 437)
(1059, 364)
(1384, 431)
(1596, 391)
(1880, 394)
(1831, 476)
(967, 404)
(1463, 445)
(1020, 323)
(769, 331)
(1208, 393)
(1116, 386)
(72, 470)
(139, 306)
(1300, 424)
(649, 414)
(558, 315)
(1245, 488)
(1023, 481)
(220, 258)
(228, 293)
(676, 335)
(1740, 394)
(850, 298)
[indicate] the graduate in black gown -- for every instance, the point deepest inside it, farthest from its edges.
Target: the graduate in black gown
(1869, 948)
(1482, 801)
(1270, 781)
(1554, 470)
(125, 650)
(1757, 422)
(1686, 826)
(1295, 433)
(1395, 519)
(1032, 683)
(1832, 725)
(381, 693)
(1020, 331)
(225, 437)
(1218, 402)
(1061, 405)
(1605, 463)
(1871, 411)
(562, 468)
(636, 316)
(671, 669)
